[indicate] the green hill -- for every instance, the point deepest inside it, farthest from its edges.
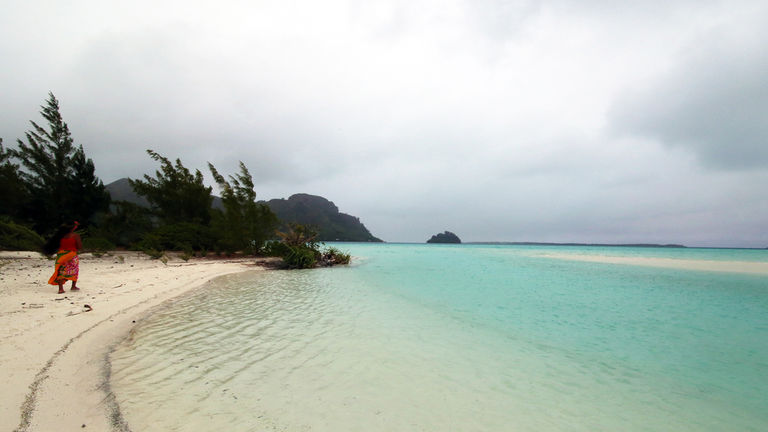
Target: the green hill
(317, 211)
(304, 209)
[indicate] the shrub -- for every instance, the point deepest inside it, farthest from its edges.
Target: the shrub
(275, 248)
(153, 253)
(299, 249)
(333, 256)
(97, 245)
(299, 257)
(18, 237)
(149, 242)
(179, 237)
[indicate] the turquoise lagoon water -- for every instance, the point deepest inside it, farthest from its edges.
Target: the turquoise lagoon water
(457, 338)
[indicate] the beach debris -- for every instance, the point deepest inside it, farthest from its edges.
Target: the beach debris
(87, 308)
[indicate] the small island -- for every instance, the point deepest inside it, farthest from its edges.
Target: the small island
(446, 237)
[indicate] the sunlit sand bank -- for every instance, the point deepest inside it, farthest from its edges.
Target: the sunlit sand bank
(53, 347)
(673, 263)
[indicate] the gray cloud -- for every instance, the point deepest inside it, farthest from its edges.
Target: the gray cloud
(485, 118)
(715, 103)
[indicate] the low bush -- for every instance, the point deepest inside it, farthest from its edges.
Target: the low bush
(186, 237)
(97, 245)
(299, 249)
(18, 237)
(153, 253)
(333, 256)
(299, 257)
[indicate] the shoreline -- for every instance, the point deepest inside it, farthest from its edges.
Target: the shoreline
(55, 347)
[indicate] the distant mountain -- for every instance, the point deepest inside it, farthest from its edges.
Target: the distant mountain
(446, 237)
(317, 211)
(121, 190)
(300, 208)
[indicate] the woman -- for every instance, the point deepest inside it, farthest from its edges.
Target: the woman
(67, 242)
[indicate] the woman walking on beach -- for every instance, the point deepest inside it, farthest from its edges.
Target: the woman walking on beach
(67, 242)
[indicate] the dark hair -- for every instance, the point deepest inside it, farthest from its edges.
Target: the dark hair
(52, 245)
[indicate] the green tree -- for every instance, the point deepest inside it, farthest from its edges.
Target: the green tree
(298, 247)
(245, 224)
(12, 189)
(175, 194)
(124, 225)
(57, 174)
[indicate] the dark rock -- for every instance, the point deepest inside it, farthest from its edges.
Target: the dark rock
(446, 237)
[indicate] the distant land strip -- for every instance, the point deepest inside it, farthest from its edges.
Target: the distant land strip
(648, 245)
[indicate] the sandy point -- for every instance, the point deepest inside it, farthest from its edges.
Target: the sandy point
(749, 267)
(54, 346)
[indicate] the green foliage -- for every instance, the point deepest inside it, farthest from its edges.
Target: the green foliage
(153, 253)
(98, 245)
(59, 177)
(125, 224)
(299, 257)
(275, 248)
(299, 249)
(334, 256)
(299, 235)
(245, 225)
(180, 237)
(176, 195)
(18, 237)
(12, 189)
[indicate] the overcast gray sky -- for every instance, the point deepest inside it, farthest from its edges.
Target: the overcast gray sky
(585, 121)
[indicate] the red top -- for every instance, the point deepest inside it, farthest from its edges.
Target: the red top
(68, 243)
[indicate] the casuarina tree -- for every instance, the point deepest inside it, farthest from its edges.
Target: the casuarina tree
(12, 189)
(175, 194)
(60, 179)
(245, 225)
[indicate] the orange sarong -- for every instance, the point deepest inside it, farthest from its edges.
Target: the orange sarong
(67, 267)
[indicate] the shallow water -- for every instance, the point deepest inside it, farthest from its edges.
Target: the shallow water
(464, 338)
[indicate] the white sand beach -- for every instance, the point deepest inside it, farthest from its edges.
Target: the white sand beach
(752, 267)
(52, 354)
